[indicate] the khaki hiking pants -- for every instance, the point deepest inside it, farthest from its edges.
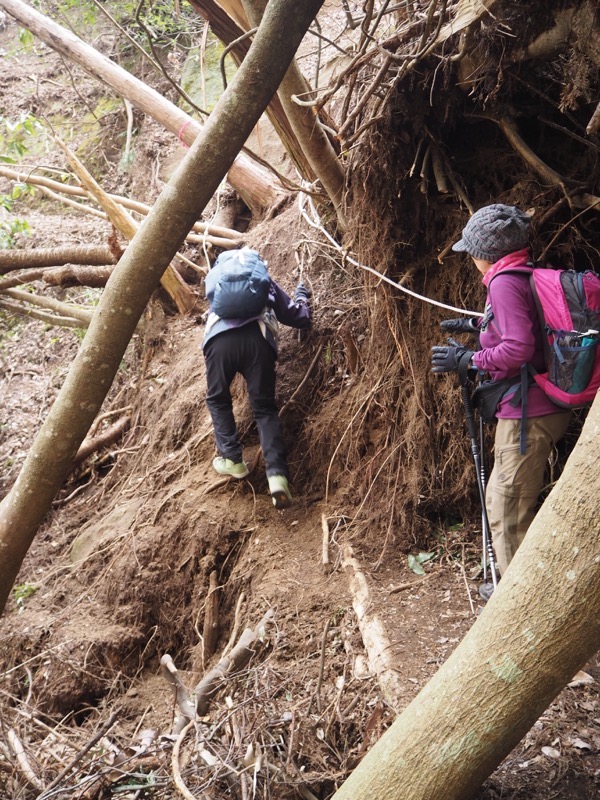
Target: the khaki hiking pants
(517, 480)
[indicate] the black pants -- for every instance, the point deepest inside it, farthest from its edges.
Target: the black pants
(244, 350)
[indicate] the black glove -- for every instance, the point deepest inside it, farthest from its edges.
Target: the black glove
(447, 358)
(302, 294)
(460, 325)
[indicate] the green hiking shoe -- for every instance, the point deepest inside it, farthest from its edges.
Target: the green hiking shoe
(280, 491)
(225, 466)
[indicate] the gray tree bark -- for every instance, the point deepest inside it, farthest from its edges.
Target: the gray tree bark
(539, 628)
(137, 275)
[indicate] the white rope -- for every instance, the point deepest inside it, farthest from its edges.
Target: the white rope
(303, 199)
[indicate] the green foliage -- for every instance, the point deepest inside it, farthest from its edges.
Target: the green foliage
(26, 39)
(13, 136)
(159, 16)
(22, 592)
(136, 781)
(19, 190)
(10, 230)
(162, 20)
(415, 562)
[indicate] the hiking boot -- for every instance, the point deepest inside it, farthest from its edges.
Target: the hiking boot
(225, 466)
(280, 491)
(486, 590)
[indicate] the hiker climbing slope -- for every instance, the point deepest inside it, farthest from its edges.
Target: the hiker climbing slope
(510, 335)
(241, 335)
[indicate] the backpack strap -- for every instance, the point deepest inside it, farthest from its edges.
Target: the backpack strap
(526, 379)
(524, 394)
(543, 326)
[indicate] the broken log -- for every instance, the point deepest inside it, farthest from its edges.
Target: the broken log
(93, 255)
(54, 188)
(183, 297)
(92, 444)
(43, 316)
(94, 277)
(373, 633)
(66, 309)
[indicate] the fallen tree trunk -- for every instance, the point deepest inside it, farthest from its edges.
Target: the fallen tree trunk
(25, 276)
(94, 277)
(43, 316)
(252, 182)
(540, 627)
(373, 634)
(171, 280)
(65, 309)
(92, 255)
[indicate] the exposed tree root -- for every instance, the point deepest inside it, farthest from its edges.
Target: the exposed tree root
(373, 633)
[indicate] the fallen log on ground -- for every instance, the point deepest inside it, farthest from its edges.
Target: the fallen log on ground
(92, 255)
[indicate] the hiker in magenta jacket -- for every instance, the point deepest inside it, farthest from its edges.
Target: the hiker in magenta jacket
(510, 334)
(249, 346)
(496, 237)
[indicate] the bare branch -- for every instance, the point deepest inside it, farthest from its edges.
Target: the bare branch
(50, 319)
(239, 657)
(66, 309)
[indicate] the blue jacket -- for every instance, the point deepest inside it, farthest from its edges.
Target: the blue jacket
(280, 308)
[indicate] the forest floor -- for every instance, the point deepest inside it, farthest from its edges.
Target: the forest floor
(119, 575)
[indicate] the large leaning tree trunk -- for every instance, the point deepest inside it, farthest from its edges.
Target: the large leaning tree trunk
(137, 275)
(230, 28)
(539, 628)
(307, 126)
(251, 181)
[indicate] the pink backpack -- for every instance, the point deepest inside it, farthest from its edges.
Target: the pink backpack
(568, 304)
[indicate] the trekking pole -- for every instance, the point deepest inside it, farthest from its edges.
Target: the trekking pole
(483, 516)
(479, 471)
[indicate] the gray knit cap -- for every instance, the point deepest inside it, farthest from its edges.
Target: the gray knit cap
(493, 232)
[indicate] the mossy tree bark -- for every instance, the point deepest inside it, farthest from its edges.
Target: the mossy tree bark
(539, 628)
(137, 275)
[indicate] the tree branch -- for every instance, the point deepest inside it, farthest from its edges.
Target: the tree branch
(238, 658)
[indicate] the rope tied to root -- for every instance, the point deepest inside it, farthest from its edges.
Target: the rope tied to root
(315, 222)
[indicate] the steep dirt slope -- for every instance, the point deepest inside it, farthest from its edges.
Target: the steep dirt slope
(121, 574)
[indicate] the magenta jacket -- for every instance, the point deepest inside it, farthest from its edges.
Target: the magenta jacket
(511, 334)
